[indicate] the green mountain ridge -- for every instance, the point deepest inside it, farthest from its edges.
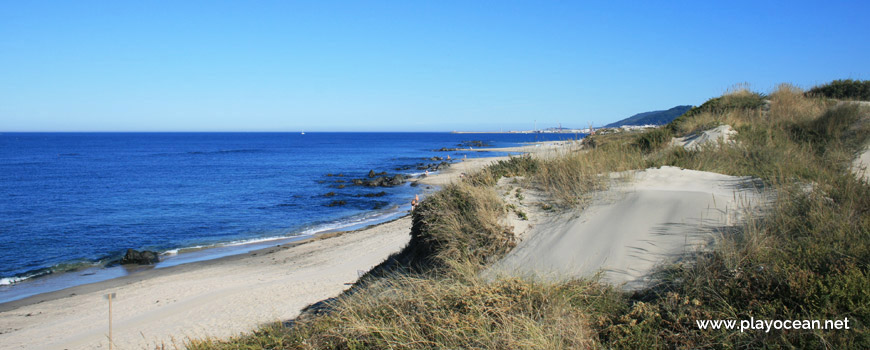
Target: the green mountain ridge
(652, 117)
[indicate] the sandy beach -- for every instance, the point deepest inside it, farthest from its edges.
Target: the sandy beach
(216, 298)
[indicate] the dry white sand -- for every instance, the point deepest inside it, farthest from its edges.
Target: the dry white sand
(633, 227)
(695, 141)
(218, 298)
(861, 165)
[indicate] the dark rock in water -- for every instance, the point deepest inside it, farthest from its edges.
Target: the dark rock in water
(383, 181)
(474, 143)
(415, 184)
(378, 181)
(339, 186)
(357, 181)
(372, 173)
(445, 149)
(435, 158)
(330, 194)
(379, 194)
(336, 175)
(396, 180)
(145, 257)
(336, 203)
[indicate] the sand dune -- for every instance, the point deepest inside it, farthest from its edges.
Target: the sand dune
(630, 229)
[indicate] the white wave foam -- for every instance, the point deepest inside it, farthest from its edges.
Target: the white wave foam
(6, 281)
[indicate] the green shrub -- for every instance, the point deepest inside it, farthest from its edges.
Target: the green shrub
(653, 139)
(847, 89)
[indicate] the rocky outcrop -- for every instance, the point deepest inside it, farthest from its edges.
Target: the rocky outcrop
(145, 257)
(373, 174)
(383, 181)
(474, 143)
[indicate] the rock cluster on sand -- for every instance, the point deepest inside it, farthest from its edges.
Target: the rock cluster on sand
(145, 257)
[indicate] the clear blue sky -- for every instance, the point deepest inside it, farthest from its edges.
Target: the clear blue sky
(403, 65)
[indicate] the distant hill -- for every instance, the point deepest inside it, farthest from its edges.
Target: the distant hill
(654, 117)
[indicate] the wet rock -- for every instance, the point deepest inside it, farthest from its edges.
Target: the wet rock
(379, 194)
(145, 257)
(445, 149)
(396, 180)
(336, 203)
(330, 194)
(473, 143)
(378, 181)
(372, 173)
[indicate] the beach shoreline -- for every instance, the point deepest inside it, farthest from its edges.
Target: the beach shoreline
(214, 298)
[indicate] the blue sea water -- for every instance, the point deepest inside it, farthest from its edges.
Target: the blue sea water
(69, 200)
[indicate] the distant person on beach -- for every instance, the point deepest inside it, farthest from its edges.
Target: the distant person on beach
(415, 201)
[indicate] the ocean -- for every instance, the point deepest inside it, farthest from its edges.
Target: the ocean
(72, 203)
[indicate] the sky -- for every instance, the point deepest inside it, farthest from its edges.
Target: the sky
(403, 65)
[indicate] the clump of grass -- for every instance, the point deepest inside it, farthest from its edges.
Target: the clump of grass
(513, 166)
(716, 109)
(653, 139)
(571, 178)
(460, 311)
(788, 104)
(459, 223)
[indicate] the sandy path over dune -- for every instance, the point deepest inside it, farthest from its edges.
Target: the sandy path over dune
(628, 230)
(861, 165)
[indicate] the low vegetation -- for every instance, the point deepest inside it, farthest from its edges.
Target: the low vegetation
(806, 257)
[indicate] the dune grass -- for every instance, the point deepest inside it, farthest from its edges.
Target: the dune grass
(807, 256)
